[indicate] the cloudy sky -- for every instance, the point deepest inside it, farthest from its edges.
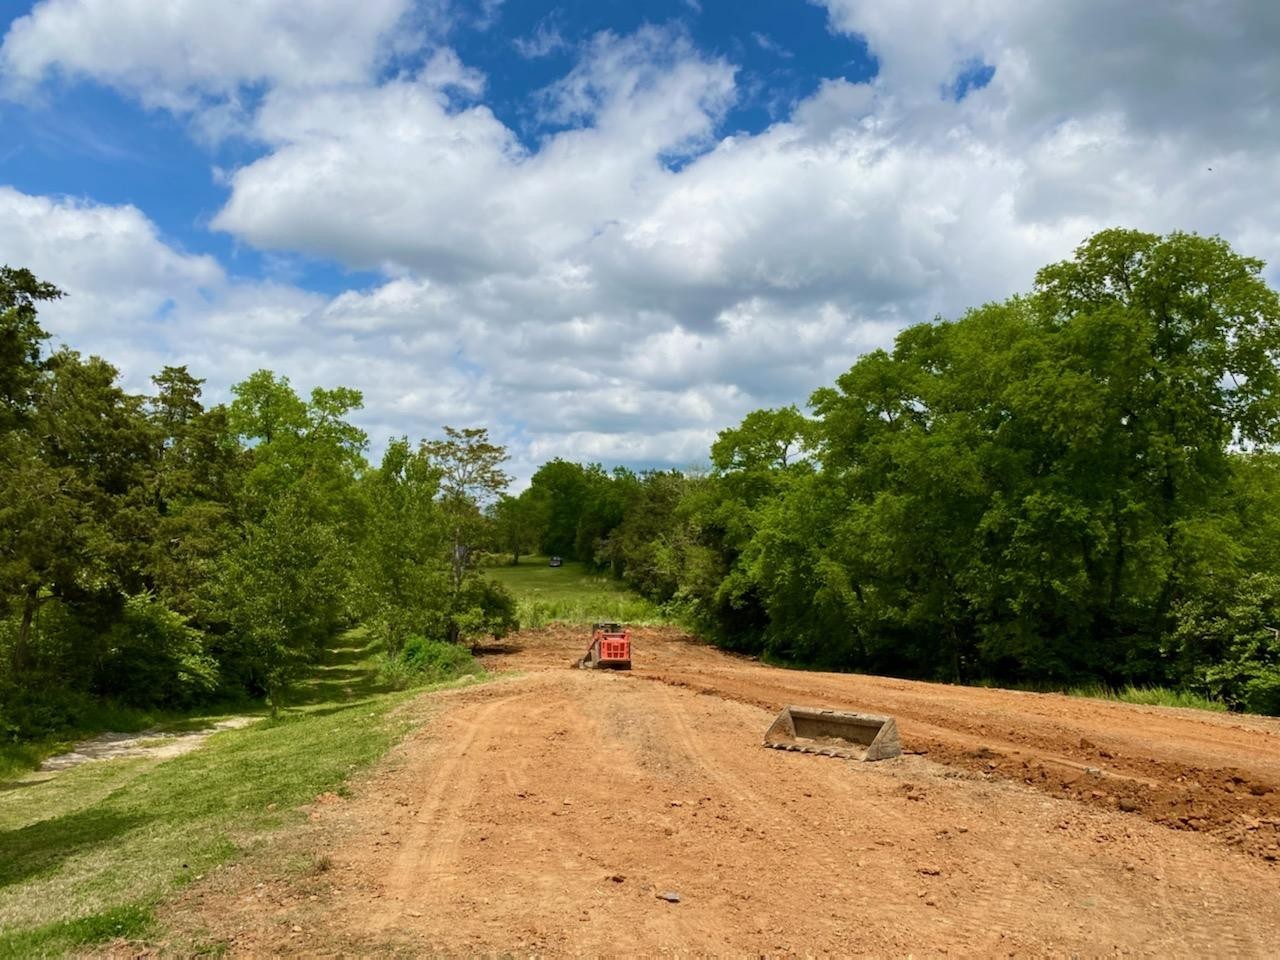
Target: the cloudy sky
(604, 228)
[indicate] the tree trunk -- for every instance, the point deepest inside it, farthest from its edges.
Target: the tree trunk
(458, 559)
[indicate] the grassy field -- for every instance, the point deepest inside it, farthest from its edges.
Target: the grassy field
(572, 594)
(87, 855)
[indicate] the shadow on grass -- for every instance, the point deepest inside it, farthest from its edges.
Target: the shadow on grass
(41, 847)
(348, 672)
(496, 649)
(291, 714)
(356, 649)
(341, 692)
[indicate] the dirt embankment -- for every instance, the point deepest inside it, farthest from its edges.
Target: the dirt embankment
(1183, 769)
(549, 813)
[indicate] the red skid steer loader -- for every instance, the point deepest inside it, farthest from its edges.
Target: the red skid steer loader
(610, 648)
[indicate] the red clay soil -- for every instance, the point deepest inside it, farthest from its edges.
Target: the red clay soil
(548, 813)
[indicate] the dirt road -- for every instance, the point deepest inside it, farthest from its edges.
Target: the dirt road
(545, 813)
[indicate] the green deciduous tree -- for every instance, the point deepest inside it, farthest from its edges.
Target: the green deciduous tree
(471, 479)
(403, 583)
(283, 590)
(519, 523)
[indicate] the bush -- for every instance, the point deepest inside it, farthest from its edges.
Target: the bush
(152, 657)
(484, 609)
(423, 661)
(1231, 644)
(28, 712)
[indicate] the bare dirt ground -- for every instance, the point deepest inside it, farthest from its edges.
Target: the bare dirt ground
(544, 814)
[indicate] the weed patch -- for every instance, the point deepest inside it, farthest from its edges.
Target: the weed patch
(424, 661)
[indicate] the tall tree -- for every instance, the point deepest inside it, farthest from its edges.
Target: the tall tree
(519, 523)
(561, 488)
(471, 478)
(403, 574)
(283, 588)
(21, 341)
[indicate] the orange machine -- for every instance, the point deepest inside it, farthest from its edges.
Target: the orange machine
(610, 648)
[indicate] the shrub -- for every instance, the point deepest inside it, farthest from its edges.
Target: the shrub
(423, 661)
(484, 609)
(1232, 644)
(152, 657)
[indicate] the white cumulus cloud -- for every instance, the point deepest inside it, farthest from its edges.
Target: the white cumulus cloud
(637, 277)
(171, 54)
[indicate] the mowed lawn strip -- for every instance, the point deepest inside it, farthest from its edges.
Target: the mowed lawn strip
(572, 593)
(85, 857)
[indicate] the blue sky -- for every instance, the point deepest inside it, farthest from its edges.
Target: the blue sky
(84, 140)
(604, 229)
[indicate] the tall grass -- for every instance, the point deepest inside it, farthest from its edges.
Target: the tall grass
(535, 611)
(1150, 696)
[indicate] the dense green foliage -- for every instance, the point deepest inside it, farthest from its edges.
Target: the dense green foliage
(156, 553)
(424, 661)
(1076, 486)
(1073, 486)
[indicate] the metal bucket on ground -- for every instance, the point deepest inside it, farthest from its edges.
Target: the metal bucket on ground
(834, 733)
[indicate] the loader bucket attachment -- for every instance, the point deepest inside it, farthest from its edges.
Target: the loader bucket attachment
(834, 733)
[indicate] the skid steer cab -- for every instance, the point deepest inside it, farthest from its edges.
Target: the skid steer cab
(610, 648)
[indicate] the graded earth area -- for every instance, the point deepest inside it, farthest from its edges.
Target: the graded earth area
(559, 812)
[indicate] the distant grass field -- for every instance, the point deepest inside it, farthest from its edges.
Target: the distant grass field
(86, 857)
(572, 594)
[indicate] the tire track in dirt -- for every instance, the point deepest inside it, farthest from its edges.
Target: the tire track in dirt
(1186, 770)
(868, 804)
(430, 850)
(711, 766)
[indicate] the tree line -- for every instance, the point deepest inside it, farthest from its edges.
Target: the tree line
(158, 552)
(1078, 484)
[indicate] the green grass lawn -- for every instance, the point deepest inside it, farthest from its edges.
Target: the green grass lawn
(87, 855)
(572, 593)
